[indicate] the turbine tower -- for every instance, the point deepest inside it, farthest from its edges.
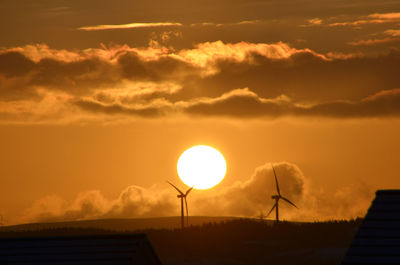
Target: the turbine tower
(277, 198)
(183, 196)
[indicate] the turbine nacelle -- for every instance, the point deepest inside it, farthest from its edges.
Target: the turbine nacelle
(275, 197)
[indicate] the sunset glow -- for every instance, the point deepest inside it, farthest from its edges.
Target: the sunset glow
(99, 99)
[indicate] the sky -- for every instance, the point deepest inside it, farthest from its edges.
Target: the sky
(98, 99)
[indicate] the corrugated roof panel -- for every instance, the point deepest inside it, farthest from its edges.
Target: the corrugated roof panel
(114, 249)
(378, 238)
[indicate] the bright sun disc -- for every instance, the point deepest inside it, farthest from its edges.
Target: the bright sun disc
(201, 167)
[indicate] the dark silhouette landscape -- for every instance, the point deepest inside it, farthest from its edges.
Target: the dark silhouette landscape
(221, 241)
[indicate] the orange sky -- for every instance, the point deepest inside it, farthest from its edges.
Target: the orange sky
(97, 102)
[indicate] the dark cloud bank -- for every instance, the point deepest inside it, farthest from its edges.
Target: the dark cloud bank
(241, 80)
(243, 103)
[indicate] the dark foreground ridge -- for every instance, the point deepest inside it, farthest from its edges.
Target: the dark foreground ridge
(240, 241)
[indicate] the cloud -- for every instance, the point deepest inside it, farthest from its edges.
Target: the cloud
(110, 109)
(240, 23)
(371, 42)
(301, 75)
(384, 103)
(14, 64)
(131, 26)
(209, 53)
(376, 18)
(82, 72)
(134, 201)
(358, 23)
(38, 52)
(244, 103)
(243, 198)
(56, 11)
(157, 81)
(387, 16)
(393, 32)
(249, 197)
(240, 103)
(313, 22)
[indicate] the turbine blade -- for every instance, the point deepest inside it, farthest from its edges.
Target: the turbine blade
(175, 187)
(283, 198)
(276, 181)
(187, 192)
(187, 212)
(270, 211)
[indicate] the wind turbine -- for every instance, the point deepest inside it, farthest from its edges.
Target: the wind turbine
(183, 196)
(277, 198)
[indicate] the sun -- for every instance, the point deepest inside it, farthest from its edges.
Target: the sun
(201, 167)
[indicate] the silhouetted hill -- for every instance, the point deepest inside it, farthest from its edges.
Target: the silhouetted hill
(247, 241)
(237, 241)
(120, 224)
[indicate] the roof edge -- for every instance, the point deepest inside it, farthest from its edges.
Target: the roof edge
(385, 192)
